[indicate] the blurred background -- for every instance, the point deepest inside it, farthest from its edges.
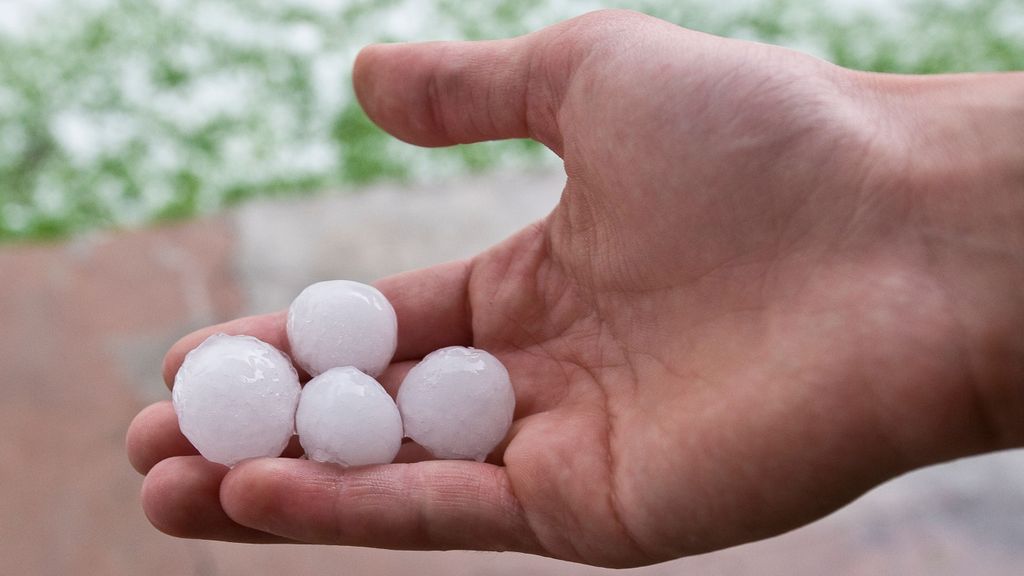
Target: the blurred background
(167, 164)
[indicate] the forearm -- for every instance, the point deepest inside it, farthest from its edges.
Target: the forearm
(963, 140)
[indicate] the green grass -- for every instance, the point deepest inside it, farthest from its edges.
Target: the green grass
(124, 112)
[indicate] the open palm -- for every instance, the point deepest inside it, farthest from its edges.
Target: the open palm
(728, 327)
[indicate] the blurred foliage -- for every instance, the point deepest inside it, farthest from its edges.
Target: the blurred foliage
(121, 112)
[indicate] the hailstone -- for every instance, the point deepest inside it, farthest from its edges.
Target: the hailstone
(342, 323)
(457, 403)
(346, 417)
(235, 397)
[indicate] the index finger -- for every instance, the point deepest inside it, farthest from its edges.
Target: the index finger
(432, 306)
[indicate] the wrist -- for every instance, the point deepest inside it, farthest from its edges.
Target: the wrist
(965, 129)
(962, 156)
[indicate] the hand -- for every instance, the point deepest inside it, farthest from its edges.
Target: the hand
(762, 293)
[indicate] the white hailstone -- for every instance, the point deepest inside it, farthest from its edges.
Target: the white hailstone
(346, 417)
(235, 397)
(457, 403)
(342, 323)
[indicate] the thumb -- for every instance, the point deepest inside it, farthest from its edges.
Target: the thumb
(444, 93)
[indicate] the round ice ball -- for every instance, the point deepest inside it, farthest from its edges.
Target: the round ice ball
(346, 417)
(342, 323)
(457, 403)
(235, 397)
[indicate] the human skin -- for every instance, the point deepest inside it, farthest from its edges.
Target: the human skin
(770, 284)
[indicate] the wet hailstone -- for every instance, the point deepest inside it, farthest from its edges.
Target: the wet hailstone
(235, 397)
(342, 323)
(457, 403)
(347, 418)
